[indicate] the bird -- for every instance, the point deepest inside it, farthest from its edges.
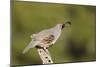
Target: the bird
(46, 38)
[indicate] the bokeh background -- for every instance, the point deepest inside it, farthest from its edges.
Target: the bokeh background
(76, 43)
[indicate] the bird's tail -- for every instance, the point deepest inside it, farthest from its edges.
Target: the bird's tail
(26, 49)
(31, 45)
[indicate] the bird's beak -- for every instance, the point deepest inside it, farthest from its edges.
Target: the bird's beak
(67, 23)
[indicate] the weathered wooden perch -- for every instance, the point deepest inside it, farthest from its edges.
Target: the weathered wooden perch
(45, 56)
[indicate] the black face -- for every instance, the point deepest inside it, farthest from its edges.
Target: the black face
(63, 26)
(68, 22)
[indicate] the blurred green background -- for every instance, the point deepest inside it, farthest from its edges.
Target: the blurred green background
(76, 43)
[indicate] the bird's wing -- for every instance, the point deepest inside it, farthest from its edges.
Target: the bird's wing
(52, 31)
(48, 39)
(44, 36)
